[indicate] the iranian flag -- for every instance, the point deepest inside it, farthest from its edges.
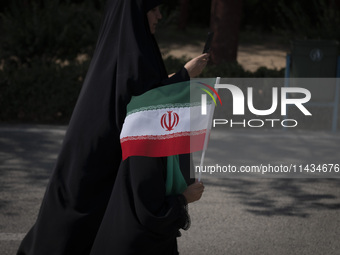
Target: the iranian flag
(165, 121)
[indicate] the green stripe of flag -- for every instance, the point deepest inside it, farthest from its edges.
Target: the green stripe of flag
(176, 95)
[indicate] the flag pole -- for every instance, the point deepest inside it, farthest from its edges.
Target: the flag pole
(207, 134)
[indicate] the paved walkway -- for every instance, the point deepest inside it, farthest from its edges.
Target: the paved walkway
(236, 216)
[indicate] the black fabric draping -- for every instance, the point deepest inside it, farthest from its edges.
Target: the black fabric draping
(140, 218)
(126, 62)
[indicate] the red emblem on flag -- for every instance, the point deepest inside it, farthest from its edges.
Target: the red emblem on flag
(169, 120)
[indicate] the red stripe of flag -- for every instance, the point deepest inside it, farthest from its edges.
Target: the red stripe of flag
(162, 147)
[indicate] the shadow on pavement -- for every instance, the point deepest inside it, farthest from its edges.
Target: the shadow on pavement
(27, 157)
(282, 197)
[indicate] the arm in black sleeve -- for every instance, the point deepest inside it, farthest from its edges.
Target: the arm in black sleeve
(181, 75)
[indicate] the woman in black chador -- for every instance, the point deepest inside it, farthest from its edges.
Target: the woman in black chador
(126, 62)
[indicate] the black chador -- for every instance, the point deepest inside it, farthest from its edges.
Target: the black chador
(140, 218)
(126, 62)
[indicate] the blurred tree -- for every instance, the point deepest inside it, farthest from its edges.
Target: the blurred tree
(225, 23)
(259, 15)
(183, 15)
(334, 4)
(315, 19)
(187, 12)
(50, 31)
(200, 12)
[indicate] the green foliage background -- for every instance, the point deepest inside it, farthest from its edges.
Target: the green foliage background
(42, 71)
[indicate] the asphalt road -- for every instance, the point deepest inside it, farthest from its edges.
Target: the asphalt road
(235, 216)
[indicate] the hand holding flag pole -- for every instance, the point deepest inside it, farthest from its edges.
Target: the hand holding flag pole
(207, 135)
